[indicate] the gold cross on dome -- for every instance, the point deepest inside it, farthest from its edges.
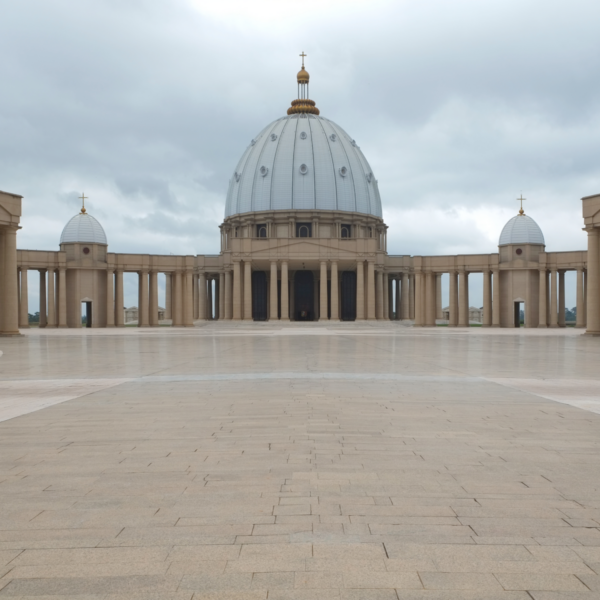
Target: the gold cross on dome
(521, 211)
(83, 198)
(303, 55)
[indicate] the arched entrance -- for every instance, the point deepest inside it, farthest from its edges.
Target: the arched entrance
(259, 296)
(348, 296)
(304, 296)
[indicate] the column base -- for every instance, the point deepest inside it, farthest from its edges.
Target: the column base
(51, 326)
(553, 326)
(63, 327)
(24, 327)
(542, 326)
(110, 326)
(11, 334)
(593, 333)
(287, 319)
(579, 326)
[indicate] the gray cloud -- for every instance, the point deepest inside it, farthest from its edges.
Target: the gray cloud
(146, 106)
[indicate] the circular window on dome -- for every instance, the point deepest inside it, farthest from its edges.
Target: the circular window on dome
(519, 251)
(333, 137)
(273, 137)
(86, 250)
(303, 135)
(343, 171)
(263, 171)
(303, 169)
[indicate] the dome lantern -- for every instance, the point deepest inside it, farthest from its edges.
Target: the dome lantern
(303, 104)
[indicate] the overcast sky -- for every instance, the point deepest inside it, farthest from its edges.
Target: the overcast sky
(147, 105)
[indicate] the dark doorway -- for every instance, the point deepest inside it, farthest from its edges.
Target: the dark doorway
(518, 317)
(87, 319)
(348, 296)
(259, 296)
(304, 300)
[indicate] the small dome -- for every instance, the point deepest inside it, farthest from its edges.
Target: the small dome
(83, 228)
(303, 75)
(521, 229)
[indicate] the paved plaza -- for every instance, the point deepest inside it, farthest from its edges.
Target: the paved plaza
(301, 462)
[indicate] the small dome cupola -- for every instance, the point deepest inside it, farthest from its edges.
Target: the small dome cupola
(521, 229)
(83, 228)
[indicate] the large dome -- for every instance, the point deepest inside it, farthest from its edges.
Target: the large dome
(521, 229)
(83, 228)
(303, 162)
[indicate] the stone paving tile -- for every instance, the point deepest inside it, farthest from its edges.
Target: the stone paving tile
(541, 582)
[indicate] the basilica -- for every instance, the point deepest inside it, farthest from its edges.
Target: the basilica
(303, 239)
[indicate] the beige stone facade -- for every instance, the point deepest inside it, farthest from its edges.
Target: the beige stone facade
(305, 265)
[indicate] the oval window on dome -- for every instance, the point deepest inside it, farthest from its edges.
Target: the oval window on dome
(303, 169)
(273, 137)
(303, 135)
(237, 176)
(333, 137)
(263, 171)
(343, 171)
(369, 177)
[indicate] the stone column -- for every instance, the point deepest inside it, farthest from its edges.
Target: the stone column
(62, 298)
(585, 297)
(419, 316)
(208, 291)
(153, 302)
(110, 298)
(463, 299)
(553, 298)
(411, 296)
(580, 323)
(496, 298)
(379, 295)
(370, 291)
(285, 300)
(273, 308)
(387, 297)
(9, 288)
(237, 292)
(543, 298)
(24, 302)
(430, 299)
(217, 298)
(168, 295)
(51, 299)
(397, 306)
(438, 296)
(119, 301)
(561, 299)
(247, 290)
(487, 298)
(43, 319)
(188, 299)
(404, 297)
(360, 290)
(453, 307)
(335, 307)
(177, 303)
(221, 296)
(228, 299)
(143, 299)
(593, 283)
(202, 297)
(196, 301)
(323, 292)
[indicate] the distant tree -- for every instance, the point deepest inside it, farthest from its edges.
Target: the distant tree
(571, 314)
(35, 318)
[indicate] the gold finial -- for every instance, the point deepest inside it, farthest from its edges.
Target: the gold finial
(303, 105)
(83, 198)
(521, 211)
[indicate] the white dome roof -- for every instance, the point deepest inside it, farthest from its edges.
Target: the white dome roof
(303, 161)
(83, 228)
(521, 229)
